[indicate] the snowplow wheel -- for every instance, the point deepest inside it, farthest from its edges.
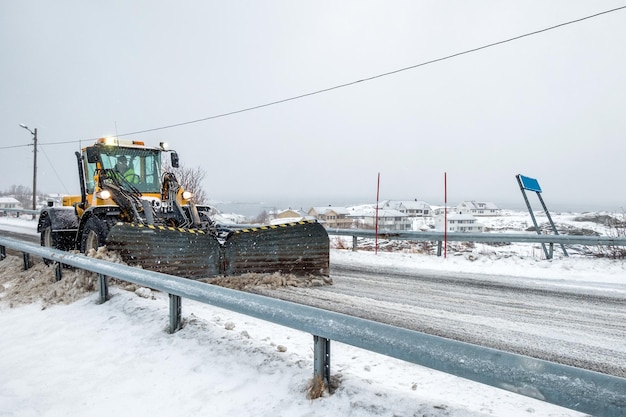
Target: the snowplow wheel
(94, 234)
(48, 239)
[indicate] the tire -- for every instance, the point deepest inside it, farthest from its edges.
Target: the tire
(48, 238)
(94, 234)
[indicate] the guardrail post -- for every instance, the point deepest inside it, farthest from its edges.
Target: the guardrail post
(354, 238)
(321, 360)
(3, 253)
(58, 275)
(439, 246)
(27, 263)
(551, 251)
(103, 288)
(175, 313)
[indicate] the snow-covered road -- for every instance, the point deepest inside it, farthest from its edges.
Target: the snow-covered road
(562, 325)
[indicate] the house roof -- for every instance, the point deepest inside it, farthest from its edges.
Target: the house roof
(297, 212)
(415, 205)
(479, 205)
(9, 200)
(326, 209)
(409, 204)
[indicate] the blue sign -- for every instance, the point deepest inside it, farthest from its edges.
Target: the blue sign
(530, 184)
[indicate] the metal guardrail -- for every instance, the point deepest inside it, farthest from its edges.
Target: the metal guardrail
(19, 211)
(485, 237)
(578, 389)
(482, 237)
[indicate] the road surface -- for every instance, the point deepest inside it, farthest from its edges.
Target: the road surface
(582, 330)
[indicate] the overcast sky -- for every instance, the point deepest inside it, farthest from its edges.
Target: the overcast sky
(550, 106)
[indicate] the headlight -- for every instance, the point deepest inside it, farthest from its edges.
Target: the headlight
(187, 195)
(104, 194)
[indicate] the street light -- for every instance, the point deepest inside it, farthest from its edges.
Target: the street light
(34, 133)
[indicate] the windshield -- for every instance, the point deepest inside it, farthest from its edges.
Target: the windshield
(139, 167)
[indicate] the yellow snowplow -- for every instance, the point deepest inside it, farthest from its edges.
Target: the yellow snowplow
(128, 204)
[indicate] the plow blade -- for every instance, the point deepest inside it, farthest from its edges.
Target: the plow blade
(188, 253)
(300, 248)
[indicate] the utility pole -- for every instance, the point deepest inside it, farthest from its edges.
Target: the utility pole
(34, 133)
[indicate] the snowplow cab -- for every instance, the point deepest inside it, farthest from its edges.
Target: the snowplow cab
(129, 163)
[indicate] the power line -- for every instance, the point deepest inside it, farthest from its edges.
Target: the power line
(16, 146)
(42, 144)
(64, 142)
(325, 90)
(374, 77)
(54, 170)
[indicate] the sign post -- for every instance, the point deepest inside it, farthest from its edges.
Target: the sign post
(376, 220)
(531, 184)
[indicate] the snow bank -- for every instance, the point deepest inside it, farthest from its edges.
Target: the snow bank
(118, 359)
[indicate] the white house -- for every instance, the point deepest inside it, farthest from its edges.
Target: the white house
(9, 202)
(388, 219)
(391, 220)
(479, 208)
(412, 208)
(458, 222)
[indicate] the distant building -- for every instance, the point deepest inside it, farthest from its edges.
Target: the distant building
(332, 217)
(479, 208)
(458, 222)
(364, 217)
(9, 202)
(390, 220)
(288, 216)
(412, 208)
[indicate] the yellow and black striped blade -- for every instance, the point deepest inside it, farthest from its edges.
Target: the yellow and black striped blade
(189, 253)
(300, 248)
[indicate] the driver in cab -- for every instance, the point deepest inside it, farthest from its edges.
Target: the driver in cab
(125, 171)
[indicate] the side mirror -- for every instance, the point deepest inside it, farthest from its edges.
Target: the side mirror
(175, 162)
(93, 155)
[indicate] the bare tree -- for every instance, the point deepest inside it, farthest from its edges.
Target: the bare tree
(263, 217)
(190, 179)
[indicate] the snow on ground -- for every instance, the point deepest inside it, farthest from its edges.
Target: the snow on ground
(589, 274)
(84, 359)
(19, 225)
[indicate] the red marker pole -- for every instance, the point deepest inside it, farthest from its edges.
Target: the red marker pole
(377, 197)
(445, 214)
